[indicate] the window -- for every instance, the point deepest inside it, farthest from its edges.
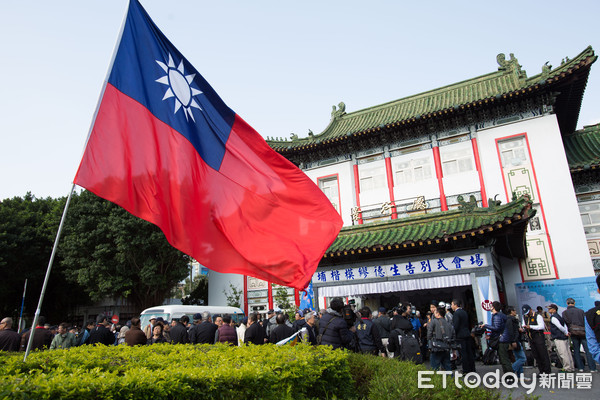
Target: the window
(457, 161)
(412, 171)
(372, 178)
(590, 216)
(513, 152)
(330, 187)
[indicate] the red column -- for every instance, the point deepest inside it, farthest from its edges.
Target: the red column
(297, 297)
(245, 295)
(484, 199)
(270, 294)
(438, 172)
(357, 190)
(390, 182)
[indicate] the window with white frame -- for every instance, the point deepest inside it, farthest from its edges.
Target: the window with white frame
(456, 160)
(372, 178)
(330, 187)
(412, 171)
(513, 152)
(590, 216)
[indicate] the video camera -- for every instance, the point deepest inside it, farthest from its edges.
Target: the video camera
(349, 315)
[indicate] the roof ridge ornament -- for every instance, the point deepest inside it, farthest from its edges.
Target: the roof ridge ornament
(511, 65)
(337, 113)
(467, 207)
(546, 68)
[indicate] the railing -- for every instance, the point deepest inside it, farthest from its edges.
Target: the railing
(407, 207)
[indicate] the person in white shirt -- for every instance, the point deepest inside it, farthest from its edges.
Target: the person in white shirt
(560, 336)
(534, 323)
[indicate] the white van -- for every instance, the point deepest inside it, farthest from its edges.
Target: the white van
(177, 311)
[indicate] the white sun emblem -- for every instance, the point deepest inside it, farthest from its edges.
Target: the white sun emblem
(180, 86)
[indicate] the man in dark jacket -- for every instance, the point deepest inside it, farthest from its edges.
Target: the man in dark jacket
(333, 328)
(384, 324)
(369, 339)
(205, 331)
(501, 333)
(101, 334)
(9, 339)
(575, 319)
(178, 333)
(463, 336)
(281, 331)
(42, 337)
(255, 333)
(135, 335)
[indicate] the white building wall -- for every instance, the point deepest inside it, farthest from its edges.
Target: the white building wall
(557, 195)
(345, 173)
(218, 283)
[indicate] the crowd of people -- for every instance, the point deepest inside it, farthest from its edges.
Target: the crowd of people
(444, 333)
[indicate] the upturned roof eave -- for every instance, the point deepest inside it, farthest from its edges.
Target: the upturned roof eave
(528, 86)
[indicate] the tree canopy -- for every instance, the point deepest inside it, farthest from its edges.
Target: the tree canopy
(28, 228)
(111, 253)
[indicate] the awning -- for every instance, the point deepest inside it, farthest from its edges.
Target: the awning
(395, 286)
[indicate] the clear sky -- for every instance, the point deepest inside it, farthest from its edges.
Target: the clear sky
(280, 65)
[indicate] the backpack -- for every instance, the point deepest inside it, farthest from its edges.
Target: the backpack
(490, 357)
(410, 348)
(320, 335)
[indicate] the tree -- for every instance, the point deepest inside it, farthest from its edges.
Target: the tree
(199, 295)
(233, 296)
(111, 253)
(282, 300)
(28, 227)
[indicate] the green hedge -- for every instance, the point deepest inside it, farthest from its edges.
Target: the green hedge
(215, 372)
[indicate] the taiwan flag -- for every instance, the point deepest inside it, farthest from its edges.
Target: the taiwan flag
(165, 147)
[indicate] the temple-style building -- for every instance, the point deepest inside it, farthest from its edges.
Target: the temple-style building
(462, 191)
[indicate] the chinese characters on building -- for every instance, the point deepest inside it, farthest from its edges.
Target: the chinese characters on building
(408, 268)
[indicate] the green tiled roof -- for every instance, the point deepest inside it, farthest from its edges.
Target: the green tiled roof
(583, 148)
(510, 81)
(429, 229)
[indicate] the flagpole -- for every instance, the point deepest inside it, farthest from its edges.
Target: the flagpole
(39, 306)
(22, 306)
(37, 311)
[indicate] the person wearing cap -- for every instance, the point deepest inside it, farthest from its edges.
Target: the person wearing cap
(560, 336)
(269, 323)
(534, 323)
(149, 327)
(193, 330)
(575, 319)
(205, 332)
(384, 325)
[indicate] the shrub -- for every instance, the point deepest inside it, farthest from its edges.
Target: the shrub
(172, 372)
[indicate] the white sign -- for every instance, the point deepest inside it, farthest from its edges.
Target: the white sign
(419, 267)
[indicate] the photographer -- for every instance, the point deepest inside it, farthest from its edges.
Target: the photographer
(333, 328)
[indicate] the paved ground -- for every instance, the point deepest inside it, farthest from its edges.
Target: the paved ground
(576, 392)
